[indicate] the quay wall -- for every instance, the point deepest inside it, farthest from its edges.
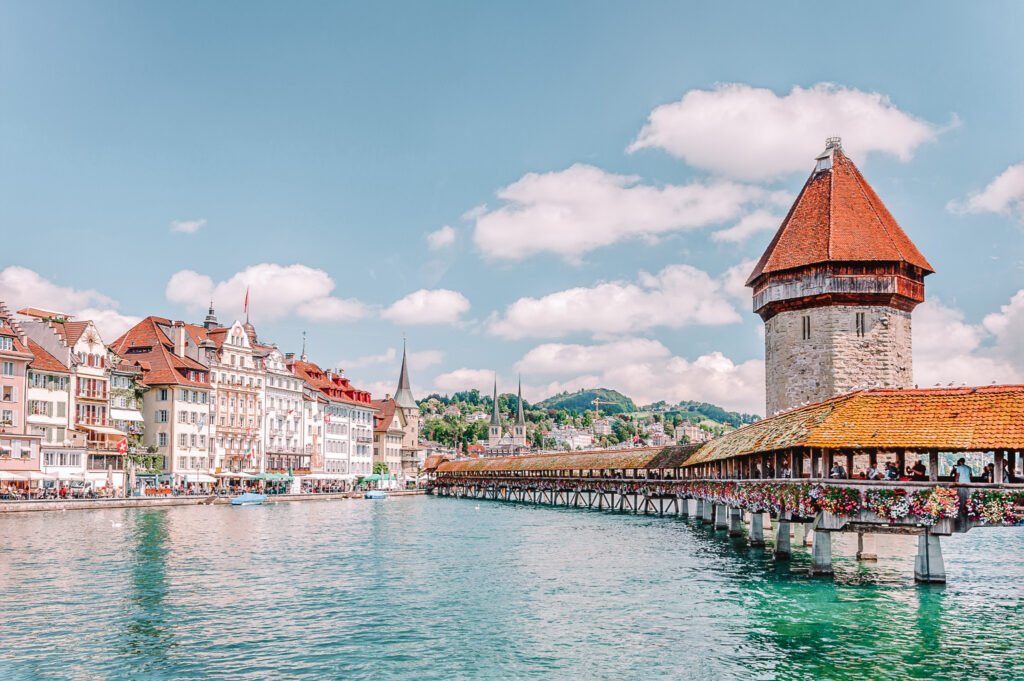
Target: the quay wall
(26, 506)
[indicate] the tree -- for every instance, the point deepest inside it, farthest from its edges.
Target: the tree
(381, 468)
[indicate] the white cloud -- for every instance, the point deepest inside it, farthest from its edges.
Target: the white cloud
(21, 287)
(441, 238)
(1004, 195)
(749, 225)
(426, 306)
(188, 226)
(949, 349)
(466, 379)
(754, 134)
(582, 208)
(562, 358)
(275, 291)
(679, 295)
(423, 359)
(734, 281)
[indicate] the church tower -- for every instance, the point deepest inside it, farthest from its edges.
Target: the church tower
(494, 432)
(519, 429)
(836, 288)
(405, 401)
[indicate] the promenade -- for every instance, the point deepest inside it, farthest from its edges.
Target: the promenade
(33, 505)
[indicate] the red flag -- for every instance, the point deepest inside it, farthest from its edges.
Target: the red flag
(122, 446)
(245, 307)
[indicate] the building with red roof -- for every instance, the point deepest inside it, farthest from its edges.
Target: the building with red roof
(835, 288)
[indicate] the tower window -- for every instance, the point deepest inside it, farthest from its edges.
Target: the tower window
(860, 324)
(806, 331)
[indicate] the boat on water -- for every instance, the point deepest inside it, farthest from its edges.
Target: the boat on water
(375, 494)
(248, 499)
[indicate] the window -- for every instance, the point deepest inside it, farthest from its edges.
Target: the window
(6, 417)
(202, 442)
(860, 324)
(6, 343)
(161, 395)
(183, 439)
(806, 331)
(192, 440)
(9, 393)
(8, 368)
(161, 416)
(182, 417)
(161, 439)
(62, 410)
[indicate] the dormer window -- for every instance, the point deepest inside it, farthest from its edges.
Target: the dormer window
(824, 162)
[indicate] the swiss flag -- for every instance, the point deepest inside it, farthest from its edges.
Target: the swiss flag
(122, 446)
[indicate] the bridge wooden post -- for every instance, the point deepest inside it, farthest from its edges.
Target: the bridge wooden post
(929, 568)
(721, 519)
(821, 554)
(684, 508)
(735, 521)
(782, 547)
(756, 529)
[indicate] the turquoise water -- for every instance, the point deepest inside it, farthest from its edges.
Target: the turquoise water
(429, 588)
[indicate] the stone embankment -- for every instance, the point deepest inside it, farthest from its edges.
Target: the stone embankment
(157, 502)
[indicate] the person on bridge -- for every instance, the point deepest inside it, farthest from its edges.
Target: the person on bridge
(891, 472)
(873, 473)
(838, 472)
(963, 471)
(918, 472)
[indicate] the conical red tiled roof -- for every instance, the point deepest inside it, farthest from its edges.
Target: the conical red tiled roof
(837, 218)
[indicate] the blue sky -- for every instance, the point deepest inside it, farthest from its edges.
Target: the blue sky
(157, 154)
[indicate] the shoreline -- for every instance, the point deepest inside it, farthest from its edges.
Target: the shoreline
(41, 505)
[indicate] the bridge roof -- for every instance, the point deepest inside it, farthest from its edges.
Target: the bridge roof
(637, 457)
(943, 419)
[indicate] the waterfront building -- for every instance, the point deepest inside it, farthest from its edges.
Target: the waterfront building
(347, 446)
(19, 444)
(78, 347)
(388, 432)
(175, 395)
(285, 416)
(836, 288)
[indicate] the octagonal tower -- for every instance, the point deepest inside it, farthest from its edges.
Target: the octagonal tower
(836, 288)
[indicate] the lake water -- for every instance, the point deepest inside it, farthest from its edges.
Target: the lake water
(431, 588)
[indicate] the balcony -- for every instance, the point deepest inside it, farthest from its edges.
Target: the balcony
(99, 395)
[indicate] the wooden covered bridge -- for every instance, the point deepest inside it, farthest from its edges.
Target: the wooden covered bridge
(785, 467)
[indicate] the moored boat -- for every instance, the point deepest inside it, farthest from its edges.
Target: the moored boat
(375, 494)
(248, 499)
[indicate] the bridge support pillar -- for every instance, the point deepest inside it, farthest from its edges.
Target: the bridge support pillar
(767, 520)
(807, 534)
(757, 529)
(684, 508)
(782, 548)
(721, 519)
(866, 547)
(707, 510)
(929, 567)
(735, 521)
(821, 554)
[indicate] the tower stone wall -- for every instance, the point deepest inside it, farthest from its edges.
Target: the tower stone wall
(837, 356)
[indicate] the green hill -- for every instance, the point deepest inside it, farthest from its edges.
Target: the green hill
(612, 401)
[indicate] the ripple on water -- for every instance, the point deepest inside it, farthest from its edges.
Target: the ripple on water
(421, 588)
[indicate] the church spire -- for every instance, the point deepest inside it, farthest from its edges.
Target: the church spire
(495, 419)
(520, 419)
(403, 396)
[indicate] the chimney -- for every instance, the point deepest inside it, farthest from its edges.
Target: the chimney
(178, 337)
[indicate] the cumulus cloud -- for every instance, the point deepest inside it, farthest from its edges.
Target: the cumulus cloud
(21, 287)
(1003, 195)
(428, 306)
(188, 226)
(563, 358)
(749, 225)
(441, 238)
(754, 134)
(734, 281)
(275, 291)
(679, 295)
(466, 379)
(423, 359)
(949, 349)
(582, 208)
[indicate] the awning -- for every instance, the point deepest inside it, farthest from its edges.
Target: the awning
(6, 475)
(126, 415)
(36, 475)
(330, 476)
(272, 477)
(230, 474)
(71, 476)
(199, 477)
(103, 430)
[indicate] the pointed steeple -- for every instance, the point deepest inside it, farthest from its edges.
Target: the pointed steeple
(303, 357)
(495, 419)
(210, 322)
(520, 419)
(403, 396)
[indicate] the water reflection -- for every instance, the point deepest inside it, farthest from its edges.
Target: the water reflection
(147, 634)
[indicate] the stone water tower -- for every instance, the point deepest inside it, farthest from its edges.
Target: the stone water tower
(836, 288)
